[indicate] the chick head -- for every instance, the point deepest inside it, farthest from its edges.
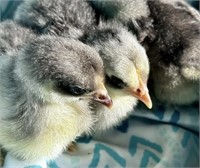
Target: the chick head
(60, 70)
(125, 60)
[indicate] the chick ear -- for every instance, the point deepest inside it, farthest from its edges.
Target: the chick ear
(190, 62)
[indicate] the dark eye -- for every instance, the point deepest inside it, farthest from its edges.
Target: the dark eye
(75, 90)
(67, 89)
(116, 82)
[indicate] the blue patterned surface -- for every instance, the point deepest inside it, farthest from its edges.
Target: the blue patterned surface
(143, 140)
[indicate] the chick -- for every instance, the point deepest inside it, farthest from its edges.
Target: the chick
(175, 53)
(169, 30)
(46, 90)
(56, 17)
(13, 36)
(126, 67)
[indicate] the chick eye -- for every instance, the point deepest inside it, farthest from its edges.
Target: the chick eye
(116, 82)
(73, 90)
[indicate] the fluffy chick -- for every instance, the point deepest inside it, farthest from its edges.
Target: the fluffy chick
(56, 17)
(175, 53)
(126, 67)
(13, 36)
(46, 90)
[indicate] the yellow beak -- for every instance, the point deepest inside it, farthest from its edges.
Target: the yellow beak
(142, 93)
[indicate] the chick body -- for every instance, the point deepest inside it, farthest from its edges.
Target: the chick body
(175, 53)
(134, 14)
(123, 10)
(56, 17)
(13, 36)
(42, 107)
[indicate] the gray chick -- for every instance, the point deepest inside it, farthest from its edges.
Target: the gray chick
(170, 32)
(126, 67)
(13, 36)
(56, 17)
(175, 52)
(46, 91)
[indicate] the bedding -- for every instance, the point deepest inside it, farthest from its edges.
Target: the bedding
(163, 137)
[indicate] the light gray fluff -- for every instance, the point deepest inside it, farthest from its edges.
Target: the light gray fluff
(13, 36)
(56, 17)
(134, 14)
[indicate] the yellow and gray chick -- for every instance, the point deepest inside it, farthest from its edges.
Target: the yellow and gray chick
(126, 67)
(46, 90)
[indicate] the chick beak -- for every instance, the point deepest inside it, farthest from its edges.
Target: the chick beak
(142, 93)
(101, 96)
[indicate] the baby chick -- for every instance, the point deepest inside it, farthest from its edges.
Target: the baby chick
(127, 68)
(175, 53)
(13, 36)
(46, 90)
(56, 17)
